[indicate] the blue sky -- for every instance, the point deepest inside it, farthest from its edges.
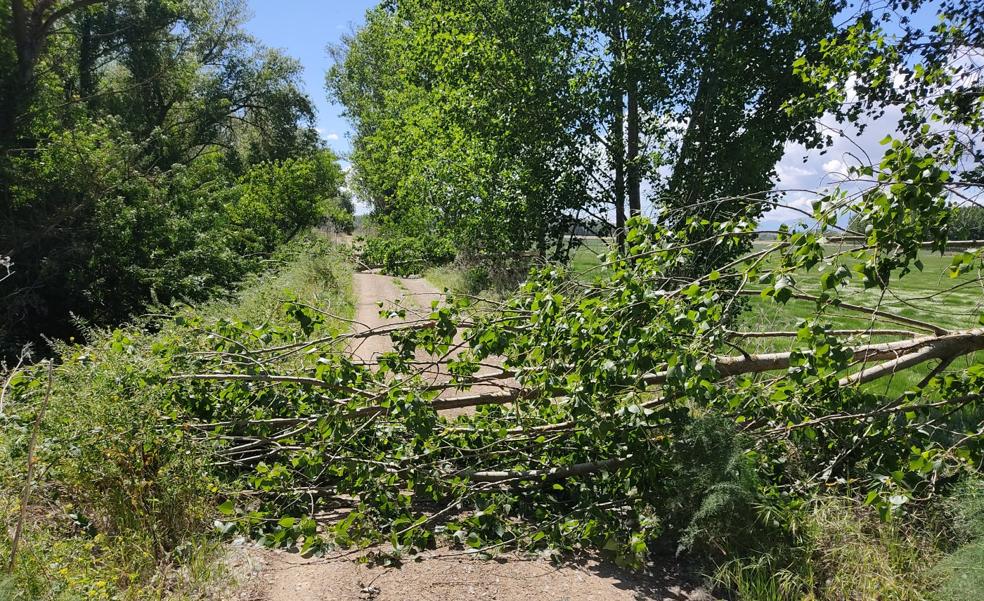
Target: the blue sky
(303, 29)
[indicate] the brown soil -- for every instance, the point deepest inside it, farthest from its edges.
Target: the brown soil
(448, 576)
(371, 289)
(441, 575)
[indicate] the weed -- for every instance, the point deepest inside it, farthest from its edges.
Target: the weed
(123, 498)
(962, 572)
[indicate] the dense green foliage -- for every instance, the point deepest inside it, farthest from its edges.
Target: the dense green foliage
(510, 125)
(622, 414)
(588, 455)
(123, 494)
(149, 150)
(407, 255)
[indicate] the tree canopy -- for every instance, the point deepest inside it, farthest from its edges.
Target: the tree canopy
(148, 150)
(537, 118)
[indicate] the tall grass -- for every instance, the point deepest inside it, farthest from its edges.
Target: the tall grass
(845, 552)
(124, 496)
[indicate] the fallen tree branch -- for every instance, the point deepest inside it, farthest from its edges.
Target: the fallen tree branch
(927, 347)
(958, 343)
(554, 473)
(839, 417)
(306, 381)
(963, 244)
(890, 367)
(793, 333)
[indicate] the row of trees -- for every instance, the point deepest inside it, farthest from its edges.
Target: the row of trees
(148, 149)
(510, 124)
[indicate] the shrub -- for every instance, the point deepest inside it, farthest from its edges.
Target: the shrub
(718, 490)
(477, 279)
(124, 496)
(407, 255)
(118, 492)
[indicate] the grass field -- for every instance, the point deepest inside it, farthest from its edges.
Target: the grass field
(929, 295)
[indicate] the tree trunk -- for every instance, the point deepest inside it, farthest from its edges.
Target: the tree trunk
(616, 36)
(30, 30)
(633, 166)
(617, 142)
(87, 59)
(18, 86)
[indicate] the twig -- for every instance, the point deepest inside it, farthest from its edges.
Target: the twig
(10, 378)
(554, 473)
(25, 498)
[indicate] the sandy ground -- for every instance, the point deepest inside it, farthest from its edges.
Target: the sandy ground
(441, 575)
(447, 576)
(416, 296)
(370, 289)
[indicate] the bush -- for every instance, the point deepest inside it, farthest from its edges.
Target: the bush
(124, 495)
(477, 279)
(407, 255)
(117, 491)
(91, 238)
(718, 490)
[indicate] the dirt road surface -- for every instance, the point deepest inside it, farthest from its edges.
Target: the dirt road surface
(370, 289)
(443, 574)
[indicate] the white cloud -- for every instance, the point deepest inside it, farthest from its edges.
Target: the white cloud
(835, 167)
(331, 136)
(786, 172)
(802, 169)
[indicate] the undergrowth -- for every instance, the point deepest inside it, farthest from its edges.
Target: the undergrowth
(843, 550)
(122, 499)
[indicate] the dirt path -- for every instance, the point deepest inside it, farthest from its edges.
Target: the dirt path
(441, 575)
(371, 289)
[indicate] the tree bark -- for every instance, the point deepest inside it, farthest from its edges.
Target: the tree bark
(632, 159)
(617, 138)
(633, 166)
(87, 59)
